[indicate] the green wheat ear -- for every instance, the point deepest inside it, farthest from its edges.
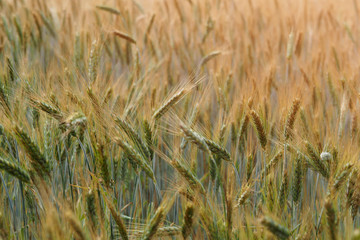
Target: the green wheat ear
(297, 178)
(217, 150)
(37, 159)
(136, 158)
(331, 220)
(275, 228)
(154, 224)
(315, 162)
(168, 104)
(15, 170)
(93, 61)
(117, 219)
(91, 208)
(193, 182)
(188, 220)
(149, 138)
(134, 136)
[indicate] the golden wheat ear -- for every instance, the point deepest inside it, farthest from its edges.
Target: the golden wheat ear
(259, 129)
(289, 126)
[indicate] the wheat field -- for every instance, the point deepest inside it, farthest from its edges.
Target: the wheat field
(179, 119)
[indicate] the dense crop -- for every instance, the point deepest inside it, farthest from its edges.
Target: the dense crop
(172, 119)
